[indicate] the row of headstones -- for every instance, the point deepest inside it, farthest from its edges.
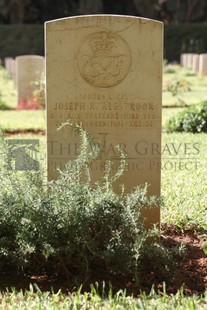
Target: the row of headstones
(196, 62)
(26, 72)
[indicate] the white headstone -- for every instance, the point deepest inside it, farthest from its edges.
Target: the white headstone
(105, 72)
(8, 64)
(195, 65)
(203, 65)
(190, 60)
(183, 60)
(29, 70)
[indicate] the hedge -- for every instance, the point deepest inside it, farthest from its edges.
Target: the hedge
(18, 40)
(185, 38)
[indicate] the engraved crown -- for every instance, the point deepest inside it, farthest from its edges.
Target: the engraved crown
(103, 45)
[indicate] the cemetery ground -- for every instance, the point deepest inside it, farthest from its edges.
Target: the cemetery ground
(183, 216)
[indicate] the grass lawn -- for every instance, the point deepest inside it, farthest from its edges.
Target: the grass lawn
(33, 299)
(23, 120)
(184, 180)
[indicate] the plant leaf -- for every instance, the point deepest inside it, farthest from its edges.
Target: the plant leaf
(205, 248)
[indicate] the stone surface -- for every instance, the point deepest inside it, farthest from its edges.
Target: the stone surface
(13, 70)
(183, 60)
(203, 65)
(29, 69)
(10, 66)
(105, 72)
(195, 62)
(8, 61)
(189, 60)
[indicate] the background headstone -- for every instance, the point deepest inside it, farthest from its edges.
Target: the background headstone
(195, 65)
(8, 65)
(203, 65)
(183, 60)
(190, 61)
(11, 68)
(105, 72)
(29, 70)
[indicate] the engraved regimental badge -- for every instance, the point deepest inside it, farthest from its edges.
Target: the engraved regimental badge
(104, 59)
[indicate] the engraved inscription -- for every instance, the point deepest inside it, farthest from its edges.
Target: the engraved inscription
(107, 111)
(104, 59)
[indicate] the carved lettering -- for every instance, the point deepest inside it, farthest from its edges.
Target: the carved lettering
(72, 106)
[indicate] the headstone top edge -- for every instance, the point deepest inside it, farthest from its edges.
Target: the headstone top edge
(137, 18)
(28, 56)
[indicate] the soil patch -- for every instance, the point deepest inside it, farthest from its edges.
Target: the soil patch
(190, 272)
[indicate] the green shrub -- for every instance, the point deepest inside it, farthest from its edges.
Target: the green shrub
(70, 225)
(192, 119)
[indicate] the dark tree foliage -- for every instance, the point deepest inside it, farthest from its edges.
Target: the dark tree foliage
(123, 7)
(39, 11)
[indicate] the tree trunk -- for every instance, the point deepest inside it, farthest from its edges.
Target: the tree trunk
(195, 10)
(16, 11)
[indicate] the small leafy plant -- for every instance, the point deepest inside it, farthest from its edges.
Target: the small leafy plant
(205, 248)
(177, 87)
(39, 91)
